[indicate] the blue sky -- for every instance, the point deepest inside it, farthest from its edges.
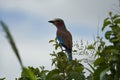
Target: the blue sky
(28, 23)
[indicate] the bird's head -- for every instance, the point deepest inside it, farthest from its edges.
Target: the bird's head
(59, 23)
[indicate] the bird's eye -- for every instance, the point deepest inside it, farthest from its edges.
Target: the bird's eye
(57, 21)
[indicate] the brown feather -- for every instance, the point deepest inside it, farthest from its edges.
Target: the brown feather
(66, 37)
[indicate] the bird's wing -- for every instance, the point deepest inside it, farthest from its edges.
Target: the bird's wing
(65, 38)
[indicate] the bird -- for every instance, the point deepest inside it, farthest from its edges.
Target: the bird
(63, 36)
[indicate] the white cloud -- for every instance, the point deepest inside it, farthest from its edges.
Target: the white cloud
(78, 11)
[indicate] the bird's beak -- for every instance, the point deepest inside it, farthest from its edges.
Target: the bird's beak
(51, 21)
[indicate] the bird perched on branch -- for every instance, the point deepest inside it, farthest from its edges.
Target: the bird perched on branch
(63, 35)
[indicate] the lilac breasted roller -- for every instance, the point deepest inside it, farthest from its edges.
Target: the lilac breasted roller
(63, 35)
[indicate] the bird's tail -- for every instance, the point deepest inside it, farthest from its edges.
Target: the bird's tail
(69, 54)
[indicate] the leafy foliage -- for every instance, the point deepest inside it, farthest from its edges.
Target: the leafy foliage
(32, 73)
(64, 69)
(107, 63)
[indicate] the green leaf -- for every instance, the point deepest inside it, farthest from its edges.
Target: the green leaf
(117, 21)
(51, 41)
(98, 61)
(108, 34)
(73, 75)
(113, 40)
(90, 47)
(56, 46)
(27, 73)
(106, 23)
(61, 60)
(103, 74)
(78, 69)
(54, 75)
(53, 55)
(115, 16)
(97, 72)
(11, 41)
(62, 55)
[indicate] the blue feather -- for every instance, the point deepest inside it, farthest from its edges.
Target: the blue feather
(60, 39)
(66, 49)
(61, 42)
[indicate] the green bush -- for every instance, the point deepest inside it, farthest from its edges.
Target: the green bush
(107, 63)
